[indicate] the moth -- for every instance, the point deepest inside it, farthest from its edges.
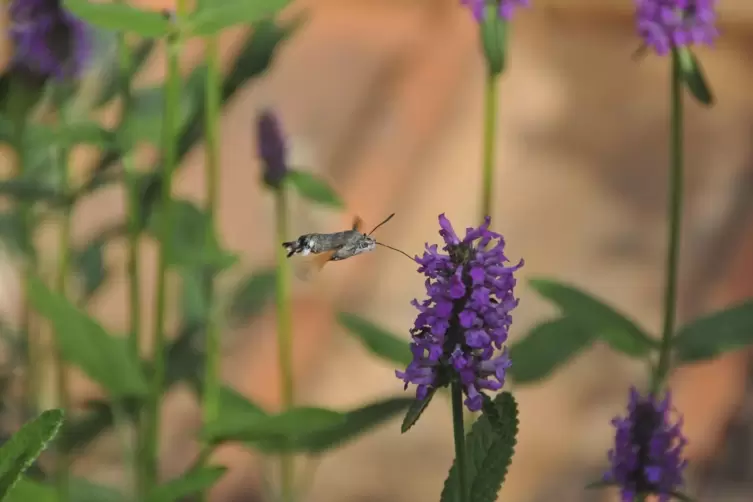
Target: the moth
(335, 246)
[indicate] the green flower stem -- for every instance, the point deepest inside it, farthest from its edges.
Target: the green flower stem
(459, 430)
(134, 222)
(284, 334)
(212, 383)
(150, 461)
(675, 222)
(491, 98)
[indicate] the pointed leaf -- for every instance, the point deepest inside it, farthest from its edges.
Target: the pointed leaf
(252, 295)
(713, 335)
(25, 446)
(232, 403)
(190, 483)
(621, 333)
(119, 17)
(693, 76)
(415, 411)
(213, 17)
(546, 348)
(380, 342)
(494, 31)
(85, 343)
(90, 263)
(314, 188)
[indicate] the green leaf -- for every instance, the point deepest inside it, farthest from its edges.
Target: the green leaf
(693, 76)
(81, 490)
(193, 304)
(621, 333)
(31, 190)
(90, 264)
(252, 295)
(85, 343)
(120, 17)
(85, 133)
(379, 341)
(356, 423)
(143, 122)
(13, 233)
(27, 490)
(25, 446)
(190, 483)
(547, 347)
(232, 403)
(313, 188)
(415, 411)
(284, 427)
(489, 451)
(713, 335)
(494, 39)
(111, 75)
(213, 17)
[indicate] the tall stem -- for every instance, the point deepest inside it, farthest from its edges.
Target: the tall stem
(674, 224)
(490, 133)
(150, 462)
(284, 334)
(212, 383)
(459, 433)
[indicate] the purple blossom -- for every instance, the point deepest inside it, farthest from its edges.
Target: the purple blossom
(270, 144)
(667, 24)
(505, 8)
(466, 315)
(49, 41)
(647, 454)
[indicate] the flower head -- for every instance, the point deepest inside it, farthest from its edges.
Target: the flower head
(466, 315)
(49, 41)
(667, 24)
(647, 454)
(505, 8)
(271, 148)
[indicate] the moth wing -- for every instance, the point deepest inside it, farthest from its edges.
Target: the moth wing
(307, 267)
(357, 224)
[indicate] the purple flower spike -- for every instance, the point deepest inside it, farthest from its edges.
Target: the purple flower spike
(271, 148)
(466, 315)
(647, 454)
(668, 24)
(48, 40)
(505, 8)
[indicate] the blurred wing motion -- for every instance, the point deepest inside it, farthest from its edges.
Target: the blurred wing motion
(307, 267)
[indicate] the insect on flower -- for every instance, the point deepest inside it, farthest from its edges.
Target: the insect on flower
(335, 246)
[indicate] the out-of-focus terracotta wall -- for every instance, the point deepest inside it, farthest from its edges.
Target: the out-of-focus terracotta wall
(384, 97)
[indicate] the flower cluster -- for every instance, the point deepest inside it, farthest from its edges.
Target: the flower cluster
(466, 315)
(270, 144)
(667, 24)
(48, 40)
(647, 454)
(505, 8)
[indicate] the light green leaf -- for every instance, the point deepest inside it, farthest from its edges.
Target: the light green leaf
(120, 17)
(415, 411)
(81, 490)
(713, 335)
(693, 76)
(190, 483)
(25, 446)
(547, 347)
(494, 31)
(251, 295)
(314, 188)
(213, 17)
(621, 333)
(379, 341)
(85, 343)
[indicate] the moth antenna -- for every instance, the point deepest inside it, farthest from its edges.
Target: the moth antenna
(395, 249)
(382, 223)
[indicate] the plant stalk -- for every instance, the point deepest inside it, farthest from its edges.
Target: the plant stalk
(674, 223)
(459, 433)
(491, 99)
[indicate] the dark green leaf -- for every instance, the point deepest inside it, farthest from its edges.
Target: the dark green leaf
(213, 17)
(120, 17)
(190, 483)
(193, 302)
(90, 264)
(547, 347)
(693, 76)
(379, 341)
(416, 410)
(13, 233)
(711, 336)
(494, 39)
(85, 133)
(621, 333)
(85, 343)
(252, 295)
(314, 188)
(489, 451)
(111, 75)
(25, 446)
(143, 123)
(30, 190)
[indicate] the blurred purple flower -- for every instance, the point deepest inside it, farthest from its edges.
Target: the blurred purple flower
(48, 40)
(667, 24)
(466, 315)
(271, 149)
(505, 8)
(647, 454)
